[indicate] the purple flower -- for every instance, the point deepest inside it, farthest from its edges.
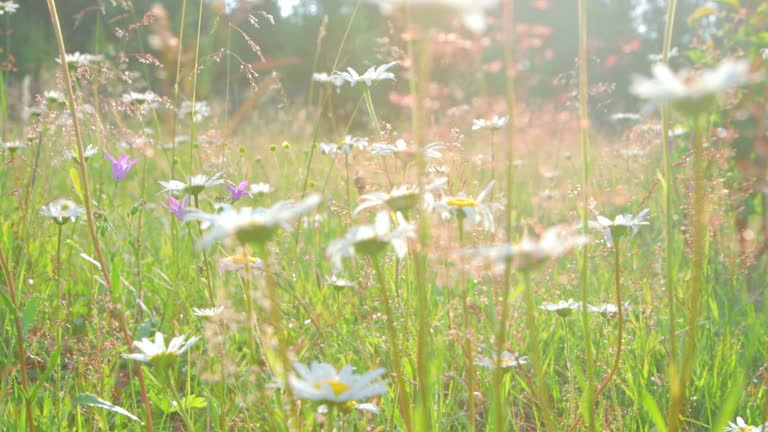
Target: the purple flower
(120, 167)
(238, 190)
(178, 208)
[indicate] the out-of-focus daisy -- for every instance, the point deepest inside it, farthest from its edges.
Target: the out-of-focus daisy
(508, 360)
(363, 407)
(563, 308)
(336, 80)
(147, 100)
(472, 211)
(250, 225)
(371, 240)
(472, 13)
(90, 152)
(80, 59)
(495, 123)
(260, 189)
(608, 310)
(530, 253)
(156, 354)
(201, 110)
(691, 91)
(54, 97)
(207, 313)
(619, 226)
(338, 282)
(741, 426)
(13, 146)
(374, 74)
(194, 186)
(62, 211)
(177, 207)
(237, 263)
(320, 382)
(402, 150)
(8, 7)
(238, 190)
(121, 166)
(401, 198)
(313, 221)
(350, 142)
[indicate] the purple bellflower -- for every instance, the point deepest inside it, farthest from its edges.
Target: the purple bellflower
(238, 190)
(178, 207)
(120, 167)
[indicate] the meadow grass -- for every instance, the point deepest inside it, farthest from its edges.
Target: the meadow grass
(458, 291)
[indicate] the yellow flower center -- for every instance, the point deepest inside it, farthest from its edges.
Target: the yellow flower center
(461, 202)
(240, 259)
(337, 386)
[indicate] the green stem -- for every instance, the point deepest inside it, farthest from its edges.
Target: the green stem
(175, 118)
(193, 126)
(620, 332)
(400, 385)
(468, 348)
(542, 395)
(206, 261)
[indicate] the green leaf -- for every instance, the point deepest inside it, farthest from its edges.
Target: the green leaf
(701, 12)
(8, 303)
(53, 364)
(91, 400)
(193, 401)
(728, 407)
(653, 411)
(29, 313)
(73, 174)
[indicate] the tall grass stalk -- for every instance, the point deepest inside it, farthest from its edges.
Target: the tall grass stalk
(501, 334)
(589, 366)
(620, 317)
(175, 119)
(20, 351)
(469, 351)
(669, 277)
(193, 125)
(89, 208)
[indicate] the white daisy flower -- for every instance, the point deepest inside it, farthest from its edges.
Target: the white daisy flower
(200, 108)
(372, 239)
(13, 146)
(496, 123)
(563, 308)
(195, 184)
(742, 426)
(253, 225)
(431, 151)
(691, 91)
(207, 313)
(608, 310)
(90, 152)
(620, 226)
(335, 79)
(238, 262)
(508, 360)
(147, 100)
(62, 211)
(80, 59)
(8, 7)
(260, 189)
(320, 382)
(155, 353)
(401, 198)
(54, 97)
(364, 407)
(373, 75)
(530, 253)
(471, 210)
(338, 282)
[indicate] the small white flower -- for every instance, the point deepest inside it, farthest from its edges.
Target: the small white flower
(253, 225)
(608, 310)
(431, 151)
(496, 123)
(691, 91)
(156, 353)
(563, 308)
(238, 262)
(90, 152)
(617, 228)
(619, 117)
(320, 382)
(530, 253)
(338, 282)
(401, 198)
(147, 100)
(8, 7)
(336, 80)
(207, 313)
(372, 239)
(62, 211)
(260, 189)
(508, 360)
(470, 210)
(201, 110)
(742, 426)
(80, 59)
(13, 146)
(195, 184)
(373, 75)
(54, 97)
